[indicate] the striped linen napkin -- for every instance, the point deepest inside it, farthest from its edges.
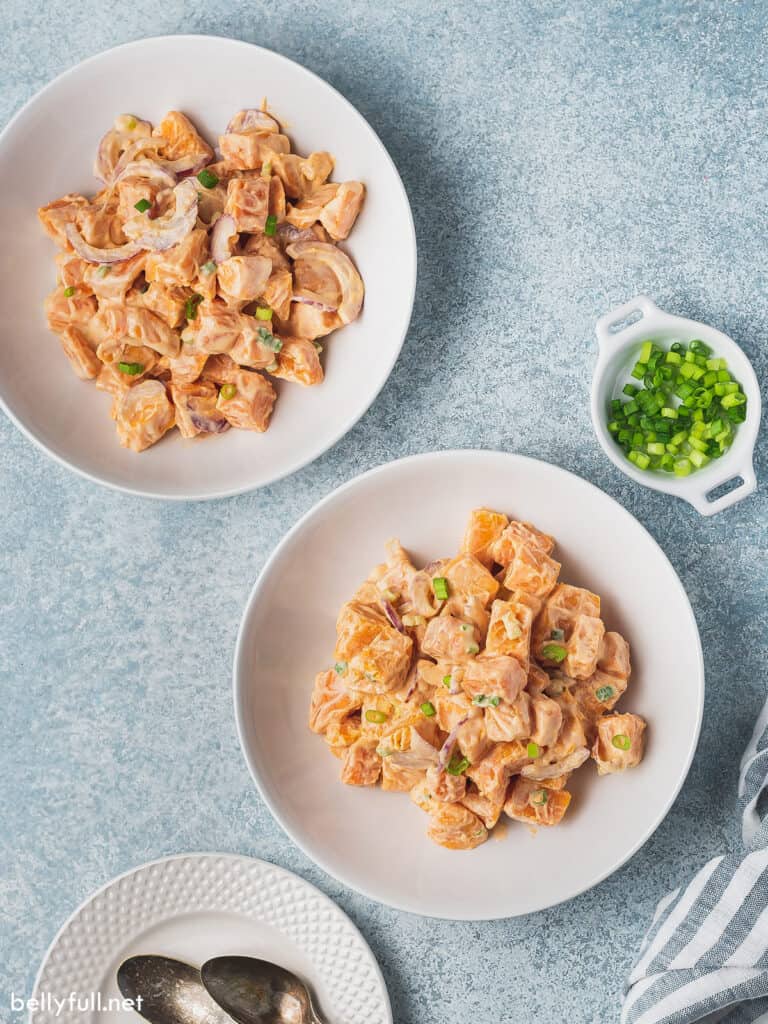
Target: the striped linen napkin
(705, 955)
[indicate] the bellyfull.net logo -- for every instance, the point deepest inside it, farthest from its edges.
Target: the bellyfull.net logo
(75, 1002)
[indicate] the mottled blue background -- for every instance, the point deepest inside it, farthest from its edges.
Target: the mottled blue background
(559, 157)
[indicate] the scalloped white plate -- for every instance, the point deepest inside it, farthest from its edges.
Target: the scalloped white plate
(376, 841)
(48, 149)
(196, 906)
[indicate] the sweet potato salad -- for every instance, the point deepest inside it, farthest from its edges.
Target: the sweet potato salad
(193, 280)
(479, 684)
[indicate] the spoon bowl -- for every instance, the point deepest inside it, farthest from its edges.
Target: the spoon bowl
(166, 991)
(257, 992)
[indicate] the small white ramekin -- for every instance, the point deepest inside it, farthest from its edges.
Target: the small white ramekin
(619, 336)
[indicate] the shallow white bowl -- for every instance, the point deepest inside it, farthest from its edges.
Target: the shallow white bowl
(48, 149)
(619, 339)
(375, 841)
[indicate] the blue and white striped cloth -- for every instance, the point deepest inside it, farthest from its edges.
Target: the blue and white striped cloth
(705, 956)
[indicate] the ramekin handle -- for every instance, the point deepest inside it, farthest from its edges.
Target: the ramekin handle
(640, 304)
(747, 486)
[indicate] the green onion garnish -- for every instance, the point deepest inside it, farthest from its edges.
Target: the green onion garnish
(428, 709)
(341, 666)
(207, 178)
(557, 634)
(269, 339)
(190, 306)
(604, 693)
(142, 206)
(539, 797)
(69, 291)
(659, 433)
(554, 652)
(228, 391)
(621, 741)
(263, 313)
(457, 765)
(131, 368)
(271, 225)
(440, 587)
(377, 717)
(103, 270)
(533, 749)
(209, 267)
(447, 680)
(486, 702)
(473, 648)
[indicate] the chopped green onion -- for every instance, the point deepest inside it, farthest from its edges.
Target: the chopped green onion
(428, 709)
(341, 666)
(209, 267)
(190, 306)
(266, 168)
(207, 178)
(263, 313)
(227, 391)
(482, 701)
(131, 368)
(268, 339)
(539, 797)
(69, 291)
(646, 351)
(683, 467)
(554, 652)
(440, 588)
(271, 225)
(533, 750)
(457, 765)
(604, 693)
(699, 348)
(447, 680)
(557, 634)
(473, 649)
(628, 389)
(621, 741)
(142, 206)
(733, 399)
(103, 270)
(377, 717)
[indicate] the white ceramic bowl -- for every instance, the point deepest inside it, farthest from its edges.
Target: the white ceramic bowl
(48, 149)
(619, 340)
(375, 841)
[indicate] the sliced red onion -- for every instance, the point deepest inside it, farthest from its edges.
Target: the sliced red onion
(289, 233)
(223, 231)
(447, 748)
(149, 170)
(392, 615)
(186, 165)
(207, 424)
(311, 300)
(245, 120)
(131, 151)
(93, 255)
(108, 153)
(170, 229)
(453, 686)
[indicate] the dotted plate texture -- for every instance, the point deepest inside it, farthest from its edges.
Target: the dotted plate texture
(87, 948)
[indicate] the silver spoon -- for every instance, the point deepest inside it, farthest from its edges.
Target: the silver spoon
(170, 992)
(258, 992)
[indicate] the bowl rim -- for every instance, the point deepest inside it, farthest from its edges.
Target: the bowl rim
(737, 461)
(240, 679)
(411, 258)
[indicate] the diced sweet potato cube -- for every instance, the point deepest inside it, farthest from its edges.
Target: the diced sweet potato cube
(455, 827)
(361, 765)
(620, 743)
(534, 804)
(248, 203)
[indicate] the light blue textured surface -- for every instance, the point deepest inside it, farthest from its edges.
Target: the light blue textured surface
(560, 158)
